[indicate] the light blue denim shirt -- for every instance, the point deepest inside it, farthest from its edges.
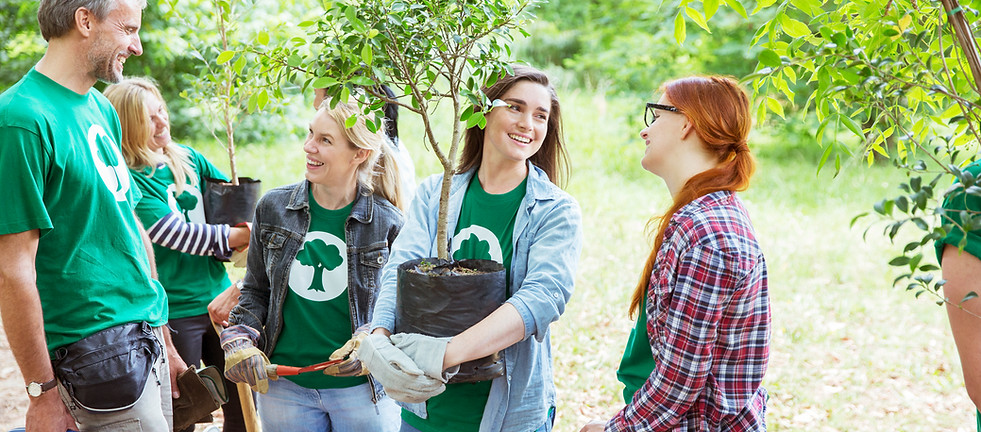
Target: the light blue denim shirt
(547, 242)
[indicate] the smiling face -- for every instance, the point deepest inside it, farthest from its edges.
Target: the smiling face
(331, 159)
(662, 138)
(159, 123)
(114, 40)
(516, 130)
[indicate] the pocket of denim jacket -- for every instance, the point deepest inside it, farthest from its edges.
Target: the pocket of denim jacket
(374, 255)
(272, 239)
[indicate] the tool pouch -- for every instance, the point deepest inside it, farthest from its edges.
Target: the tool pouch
(108, 370)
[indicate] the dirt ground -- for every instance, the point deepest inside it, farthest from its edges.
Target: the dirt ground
(13, 397)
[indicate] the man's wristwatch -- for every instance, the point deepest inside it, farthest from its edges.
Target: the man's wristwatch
(35, 389)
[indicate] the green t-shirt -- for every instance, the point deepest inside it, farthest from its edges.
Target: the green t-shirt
(637, 363)
(63, 174)
(955, 202)
(191, 281)
(317, 311)
(485, 231)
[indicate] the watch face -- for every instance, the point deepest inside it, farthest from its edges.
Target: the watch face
(34, 389)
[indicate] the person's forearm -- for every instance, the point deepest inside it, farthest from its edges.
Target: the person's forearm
(20, 306)
(961, 270)
(238, 237)
(501, 329)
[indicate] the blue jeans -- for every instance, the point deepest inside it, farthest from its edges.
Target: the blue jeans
(547, 427)
(288, 406)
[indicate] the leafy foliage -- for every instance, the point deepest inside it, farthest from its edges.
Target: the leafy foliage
(434, 51)
(632, 45)
(894, 75)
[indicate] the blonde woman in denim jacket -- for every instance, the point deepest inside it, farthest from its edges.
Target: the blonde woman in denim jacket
(518, 153)
(318, 250)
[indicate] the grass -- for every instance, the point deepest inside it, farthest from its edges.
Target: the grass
(849, 351)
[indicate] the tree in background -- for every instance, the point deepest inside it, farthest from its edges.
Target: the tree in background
(884, 71)
(437, 51)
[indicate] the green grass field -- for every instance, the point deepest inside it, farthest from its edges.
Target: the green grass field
(849, 351)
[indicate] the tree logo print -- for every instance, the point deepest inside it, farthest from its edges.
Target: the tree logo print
(319, 271)
(188, 204)
(476, 242)
(108, 162)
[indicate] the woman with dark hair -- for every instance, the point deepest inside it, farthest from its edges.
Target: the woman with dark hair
(505, 195)
(695, 359)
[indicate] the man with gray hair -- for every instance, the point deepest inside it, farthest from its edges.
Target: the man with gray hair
(79, 303)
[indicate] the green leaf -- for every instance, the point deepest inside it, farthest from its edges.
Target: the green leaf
(770, 58)
(710, 7)
(350, 121)
(324, 82)
(852, 125)
(738, 7)
(697, 17)
(262, 38)
(224, 57)
(900, 261)
(969, 296)
(774, 106)
(679, 29)
(793, 28)
(366, 55)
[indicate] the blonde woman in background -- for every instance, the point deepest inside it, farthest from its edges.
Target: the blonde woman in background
(188, 251)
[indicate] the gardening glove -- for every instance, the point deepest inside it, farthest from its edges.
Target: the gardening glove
(427, 352)
(402, 379)
(352, 365)
(244, 362)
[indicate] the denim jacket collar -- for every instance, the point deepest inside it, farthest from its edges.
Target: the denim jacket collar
(362, 211)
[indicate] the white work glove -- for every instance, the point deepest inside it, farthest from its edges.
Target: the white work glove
(401, 377)
(427, 352)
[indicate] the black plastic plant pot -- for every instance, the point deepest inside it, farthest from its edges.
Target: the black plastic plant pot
(443, 301)
(225, 203)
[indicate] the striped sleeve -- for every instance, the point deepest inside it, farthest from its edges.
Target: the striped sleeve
(196, 239)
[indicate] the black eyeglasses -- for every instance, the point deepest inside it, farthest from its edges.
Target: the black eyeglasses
(650, 116)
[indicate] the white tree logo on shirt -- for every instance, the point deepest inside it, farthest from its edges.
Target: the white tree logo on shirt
(319, 271)
(108, 162)
(479, 236)
(189, 204)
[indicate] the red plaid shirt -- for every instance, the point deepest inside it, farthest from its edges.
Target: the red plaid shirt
(708, 320)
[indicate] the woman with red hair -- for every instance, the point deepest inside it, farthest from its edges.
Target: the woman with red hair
(695, 359)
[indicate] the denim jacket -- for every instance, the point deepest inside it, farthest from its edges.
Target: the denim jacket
(282, 218)
(547, 242)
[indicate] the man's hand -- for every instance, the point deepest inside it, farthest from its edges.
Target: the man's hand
(401, 377)
(174, 361)
(48, 413)
(222, 305)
